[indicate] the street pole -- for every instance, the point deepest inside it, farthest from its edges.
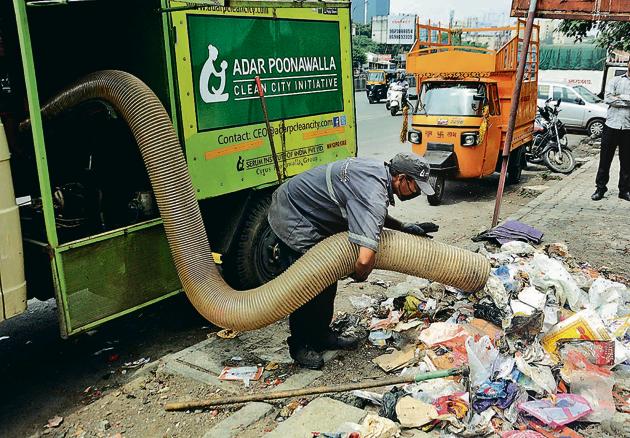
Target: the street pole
(514, 109)
(365, 8)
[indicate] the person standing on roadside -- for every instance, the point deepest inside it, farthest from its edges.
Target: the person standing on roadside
(616, 133)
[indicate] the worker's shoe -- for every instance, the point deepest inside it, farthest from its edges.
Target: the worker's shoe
(333, 341)
(306, 357)
(625, 196)
(599, 194)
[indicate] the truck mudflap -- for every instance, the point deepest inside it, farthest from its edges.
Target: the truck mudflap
(441, 160)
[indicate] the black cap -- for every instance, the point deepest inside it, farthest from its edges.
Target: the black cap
(416, 167)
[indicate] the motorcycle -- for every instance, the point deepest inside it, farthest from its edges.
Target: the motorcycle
(550, 144)
(397, 98)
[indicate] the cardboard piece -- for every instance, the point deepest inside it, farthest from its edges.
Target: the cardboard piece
(396, 360)
(414, 413)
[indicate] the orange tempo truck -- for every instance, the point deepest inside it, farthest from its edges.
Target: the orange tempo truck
(465, 92)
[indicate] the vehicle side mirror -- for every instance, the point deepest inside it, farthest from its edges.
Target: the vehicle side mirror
(580, 101)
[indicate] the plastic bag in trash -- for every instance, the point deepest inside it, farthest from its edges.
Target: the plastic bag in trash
(608, 299)
(361, 302)
(542, 380)
(563, 409)
(592, 382)
(481, 357)
(440, 332)
(389, 401)
(517, 247)
(546, 273)
(506, 274)
(500, 393)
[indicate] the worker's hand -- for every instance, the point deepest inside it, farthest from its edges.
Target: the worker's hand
(419, 229)
(364, 264)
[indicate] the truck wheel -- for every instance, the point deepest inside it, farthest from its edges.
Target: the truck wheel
(437, 182)
(253, 258)
(515, 166)
(595, 128)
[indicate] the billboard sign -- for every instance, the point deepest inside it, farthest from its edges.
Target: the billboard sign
(300, 74)
(576, 9)
(401, 29)
(303, 59)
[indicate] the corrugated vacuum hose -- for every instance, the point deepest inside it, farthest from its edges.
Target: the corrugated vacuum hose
(324, 264)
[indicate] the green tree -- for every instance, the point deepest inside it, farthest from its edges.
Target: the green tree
(611, 35)
(359, 56)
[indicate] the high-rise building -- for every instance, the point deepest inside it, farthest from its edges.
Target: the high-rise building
(374, 8)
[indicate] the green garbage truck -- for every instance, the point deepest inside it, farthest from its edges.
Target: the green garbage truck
(78, 218)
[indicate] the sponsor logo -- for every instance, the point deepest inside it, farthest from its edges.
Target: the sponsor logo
(210, 94)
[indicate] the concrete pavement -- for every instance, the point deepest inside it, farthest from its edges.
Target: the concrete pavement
(595, 231)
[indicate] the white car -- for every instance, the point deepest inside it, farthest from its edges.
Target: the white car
(580, 108)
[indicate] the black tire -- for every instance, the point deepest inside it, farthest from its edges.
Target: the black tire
(253, 258)
(372, 101)
(564, 163)
(437, 182)
(595, 127)
(394, 110)
(515, 166)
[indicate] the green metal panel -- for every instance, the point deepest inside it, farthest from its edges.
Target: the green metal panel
(103, 278)
(303, 59)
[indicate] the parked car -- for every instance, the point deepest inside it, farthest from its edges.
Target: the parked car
(581, 108)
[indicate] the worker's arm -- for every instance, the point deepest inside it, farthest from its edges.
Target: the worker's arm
(614, 99)
(364, 264)
(392, 223)
(419, 229)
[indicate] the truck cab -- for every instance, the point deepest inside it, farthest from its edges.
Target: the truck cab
(461, 117)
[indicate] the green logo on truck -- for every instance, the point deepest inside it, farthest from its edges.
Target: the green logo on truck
(298, 61)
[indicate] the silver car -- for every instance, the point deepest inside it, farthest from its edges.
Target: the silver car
(580, 108)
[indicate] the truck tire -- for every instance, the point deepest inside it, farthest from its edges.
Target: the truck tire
(515, 166)
(252, 259)
(437, 182)
(595, 128)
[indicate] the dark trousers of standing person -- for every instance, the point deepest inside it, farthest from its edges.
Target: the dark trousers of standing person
(310, 324)
(611, 138)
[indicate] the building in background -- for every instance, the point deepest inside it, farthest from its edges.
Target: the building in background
(374, 8)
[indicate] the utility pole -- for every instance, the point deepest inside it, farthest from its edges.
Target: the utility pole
(365, 8)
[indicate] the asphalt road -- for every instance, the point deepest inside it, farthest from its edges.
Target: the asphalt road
(42, 375)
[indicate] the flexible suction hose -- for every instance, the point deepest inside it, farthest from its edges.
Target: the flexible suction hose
(324, 264)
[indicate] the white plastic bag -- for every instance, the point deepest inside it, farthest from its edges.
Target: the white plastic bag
(608, 299)
(481, 358)
(546, 273)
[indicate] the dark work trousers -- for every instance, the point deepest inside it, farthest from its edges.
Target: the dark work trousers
(611, 138)
(310, 324)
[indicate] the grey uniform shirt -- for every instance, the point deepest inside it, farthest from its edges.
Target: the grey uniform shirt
(349, 195)
(618, 98)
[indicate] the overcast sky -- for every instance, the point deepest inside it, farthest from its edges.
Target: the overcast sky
(439, 9)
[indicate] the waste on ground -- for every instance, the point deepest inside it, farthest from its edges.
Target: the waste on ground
(544, 342)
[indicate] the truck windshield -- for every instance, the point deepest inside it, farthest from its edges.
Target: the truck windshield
(452, 98)
(586, 94)
(376, 76)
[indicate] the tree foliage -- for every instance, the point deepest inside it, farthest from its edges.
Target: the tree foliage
(611, 35)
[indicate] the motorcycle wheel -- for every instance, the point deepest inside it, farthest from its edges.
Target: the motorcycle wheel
(559, 163)
(394, 110)
(437, 182)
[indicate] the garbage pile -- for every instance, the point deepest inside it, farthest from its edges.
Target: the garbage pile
(544, 343)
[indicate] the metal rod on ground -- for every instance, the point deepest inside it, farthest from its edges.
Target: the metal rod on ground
(200, 404)
(263, 103)
(514, 109)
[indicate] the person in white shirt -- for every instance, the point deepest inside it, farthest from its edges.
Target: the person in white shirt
(616, 133)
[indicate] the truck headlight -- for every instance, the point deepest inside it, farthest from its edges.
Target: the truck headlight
(414, 137)
(470, 138)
